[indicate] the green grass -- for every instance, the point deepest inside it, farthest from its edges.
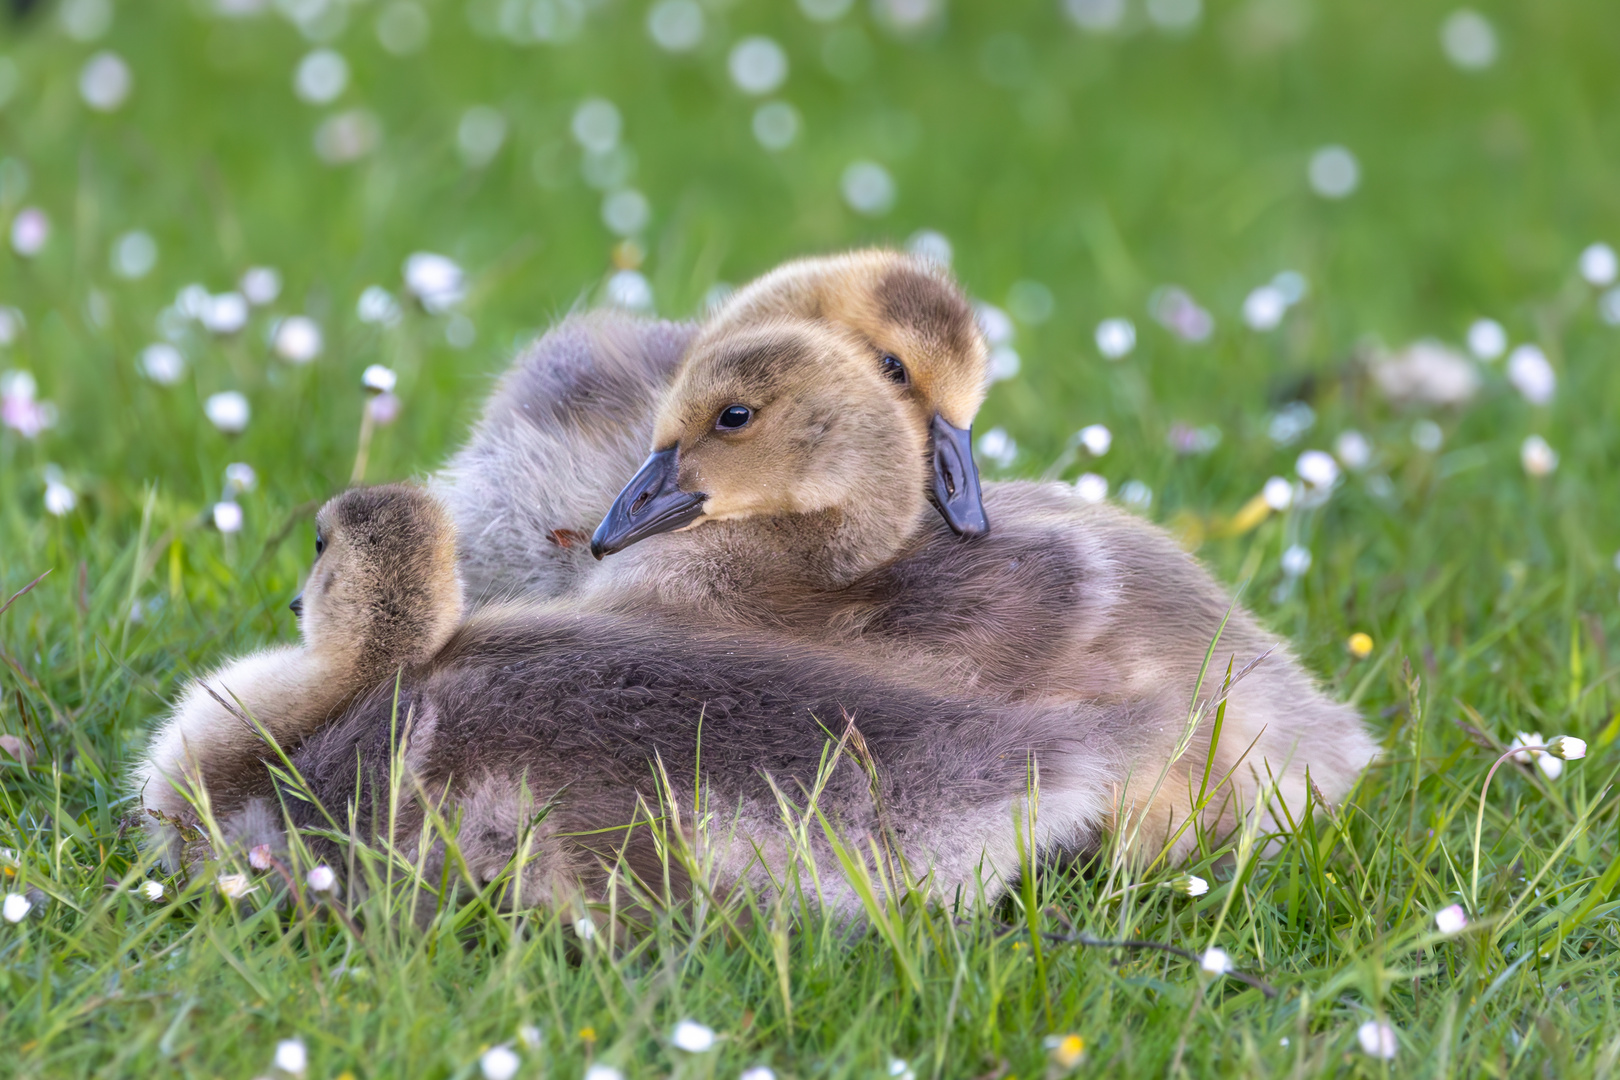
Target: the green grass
(1101, 166)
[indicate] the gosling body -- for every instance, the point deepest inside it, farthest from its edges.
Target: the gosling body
(527, 706)
(591, 717)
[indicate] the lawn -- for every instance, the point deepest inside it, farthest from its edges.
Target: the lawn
(1411, 171)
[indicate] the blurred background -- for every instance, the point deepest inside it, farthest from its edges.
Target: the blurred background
(1324, 286)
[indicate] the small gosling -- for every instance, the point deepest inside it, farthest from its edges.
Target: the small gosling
(565, 426)
(383, 594)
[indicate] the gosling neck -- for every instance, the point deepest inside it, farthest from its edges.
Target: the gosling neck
(758, 564)
(402, 631)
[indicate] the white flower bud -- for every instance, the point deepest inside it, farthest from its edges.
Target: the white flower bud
(1115, 338)
(228, 411)
(291, 1057)
(1096, 439)
(16, 907)
(260, 284)
(693, 1037)
(379, 379)
(1091, 487)
(1377, 1039)
(1278, 493)
(1189, 885)
(225, 314)
(228, 519)
(1317, 468)
(435, 280)
(239, 477)
(1537, 457)
(234, 886)
(1451, 920)
(59, 498)
(499, 1063)
(1523, 739)
(1567, 747)
(297, 339)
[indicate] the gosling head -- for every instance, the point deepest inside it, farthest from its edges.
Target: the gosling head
(383, 590)
(916, 327)
(781, 417)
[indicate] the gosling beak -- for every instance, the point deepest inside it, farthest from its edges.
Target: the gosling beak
(651, 503)
(956, 479)
(297, 605)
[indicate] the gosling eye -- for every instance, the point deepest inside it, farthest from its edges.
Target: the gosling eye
(894, 370)
(733, 417)
(320, 545)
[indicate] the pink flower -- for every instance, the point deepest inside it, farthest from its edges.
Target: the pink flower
(1179, 313)
(29, 231)
(384, 409)
(1378, 1039)
(18, 408)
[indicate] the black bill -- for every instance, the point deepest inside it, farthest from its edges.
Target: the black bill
(955, 490)
(650, 504)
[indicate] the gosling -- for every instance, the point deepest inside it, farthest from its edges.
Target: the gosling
(383, 593)
(795, 495)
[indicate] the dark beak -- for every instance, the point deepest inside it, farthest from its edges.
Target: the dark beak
(956, 479)
(297, 605)
(650, 504)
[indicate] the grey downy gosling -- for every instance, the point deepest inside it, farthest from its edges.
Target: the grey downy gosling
(563, 428)
(798, 510)
(536, 706)
(383, 593)
(572, 418)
